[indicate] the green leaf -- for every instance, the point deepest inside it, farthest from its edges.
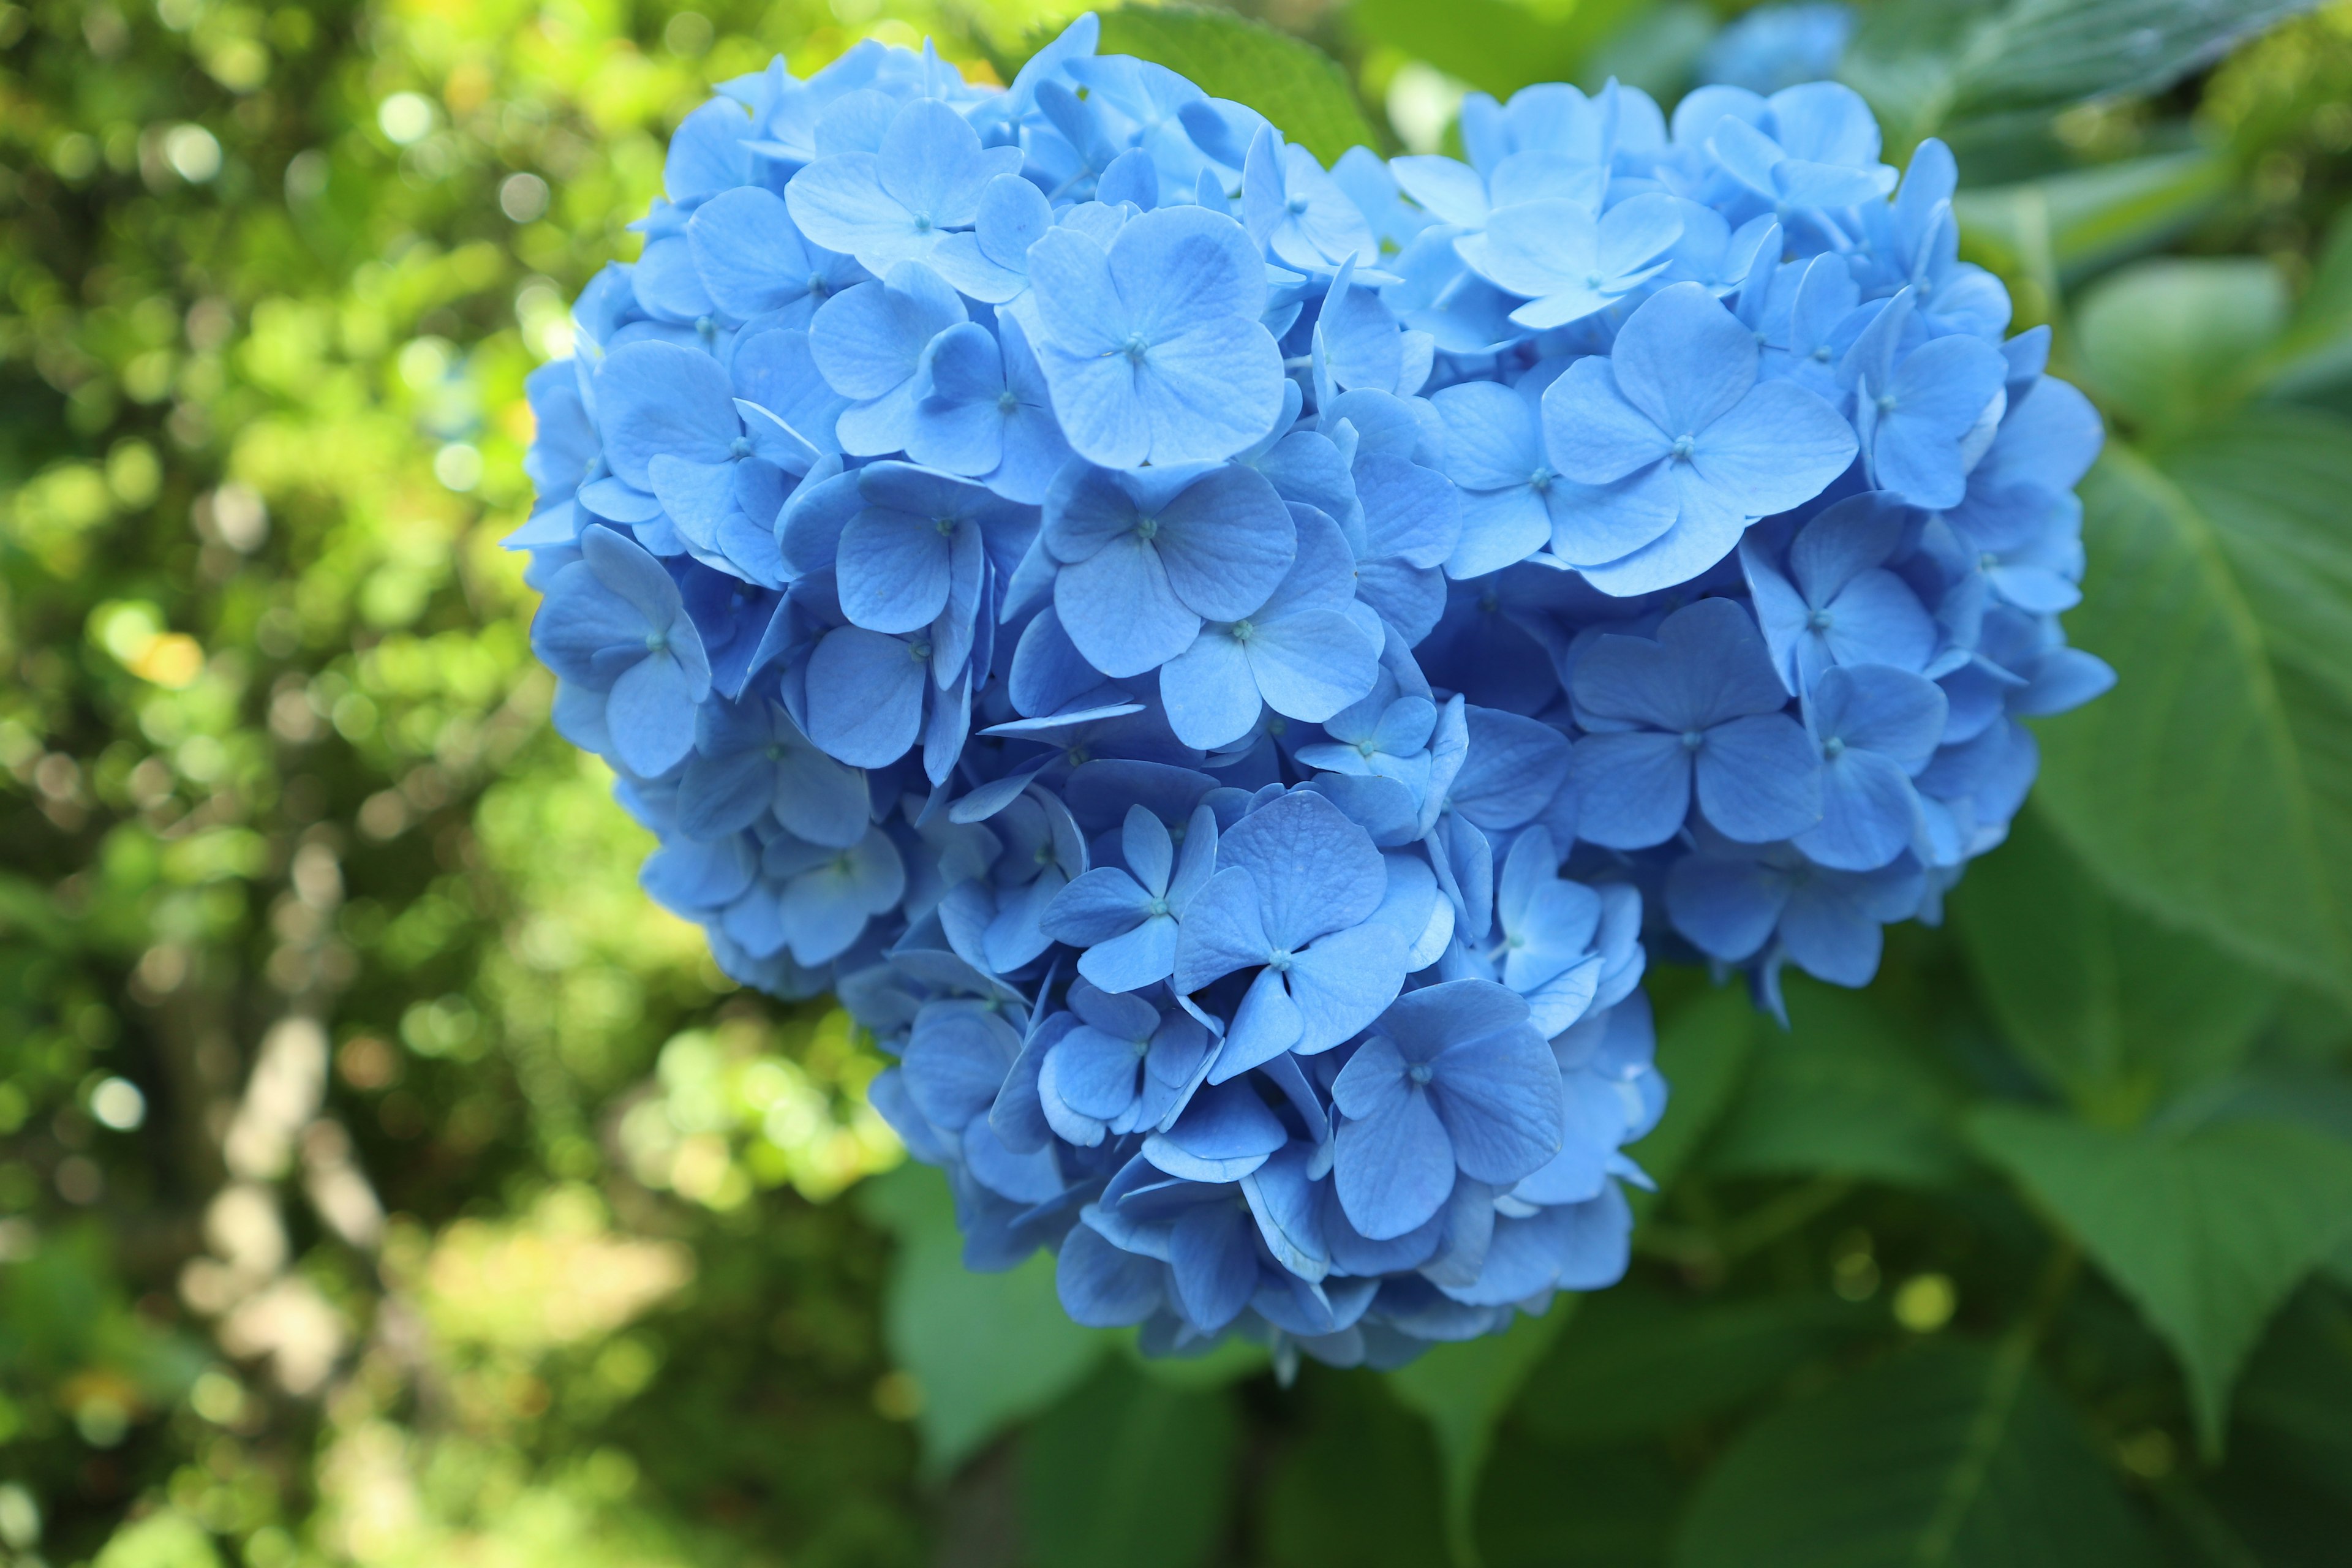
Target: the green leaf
(1495, 45)
(1296, 86)
(2168, 342)
(2110, 1008)
(1128, 1470)
(2212, 787)
(2058, 228)
(1638, 1363)
(1462, 1390)
(1946, 1456)
(1846, 1092)
(986, 1349)
(1925, 62)
(2205, 1229)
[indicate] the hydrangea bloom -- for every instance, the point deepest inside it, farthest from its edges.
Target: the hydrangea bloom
(1226, 667)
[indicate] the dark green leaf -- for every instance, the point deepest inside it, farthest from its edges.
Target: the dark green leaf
(1295, 85)
(1636, 1363)
(2206, 1230)
(2213, 786)
(2109, 1007)
(1846, 1092)
(1496, 46)
(1128, 1470)
(1948, 1457)
(2169, 343)
(1925, 62)
(986, 1349)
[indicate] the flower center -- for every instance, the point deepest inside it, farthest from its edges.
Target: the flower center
(740, 447)
(1156, 906)
(920, 652)
(1833, 748)
(1694, 738)
(656, 642)
(946, 525)
(1417, 1074)
(1006, 403)
(1886, 403)
(1367, 748)
(1135, 348)
(1988, 561)
(1592, 280)
(1540, 480)
(1146, 528)
(1141, 1049)
(706, 328)
(1279, 961)
(1243, 631)
(1684, 446)
(1297, 205)
(1820, 620)
(1821, 354)
(776, 751)
(816, 288)
(923, 224)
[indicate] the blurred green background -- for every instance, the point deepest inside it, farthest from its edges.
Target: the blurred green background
(384, 1181)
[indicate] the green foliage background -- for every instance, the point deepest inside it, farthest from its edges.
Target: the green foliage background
(383, 1181)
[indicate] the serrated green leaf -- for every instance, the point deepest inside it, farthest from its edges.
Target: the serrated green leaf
(1295, 85)
(1924, 63)
(2168, 344)
(1637, 1363)
(1128, 1470)
(2206, 1229)
(1495, 45)
(2109, 1007)
(1948, 1457)
(1846, 1092)
(986, 1349)
(2212, 787)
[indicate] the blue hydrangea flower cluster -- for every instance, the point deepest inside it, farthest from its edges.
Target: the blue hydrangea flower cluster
(1225, 666)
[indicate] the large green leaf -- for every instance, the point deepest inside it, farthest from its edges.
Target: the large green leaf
(1295, 85)
(1847, 1091)
(2213, 786)
(1638, 1363)
(1498, 45)
(2207, 1229)
(2109, 1007)
(2171, 343)
(1948, 1457)
(1128, 1470)
(984, 1350)
(1926, 62)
